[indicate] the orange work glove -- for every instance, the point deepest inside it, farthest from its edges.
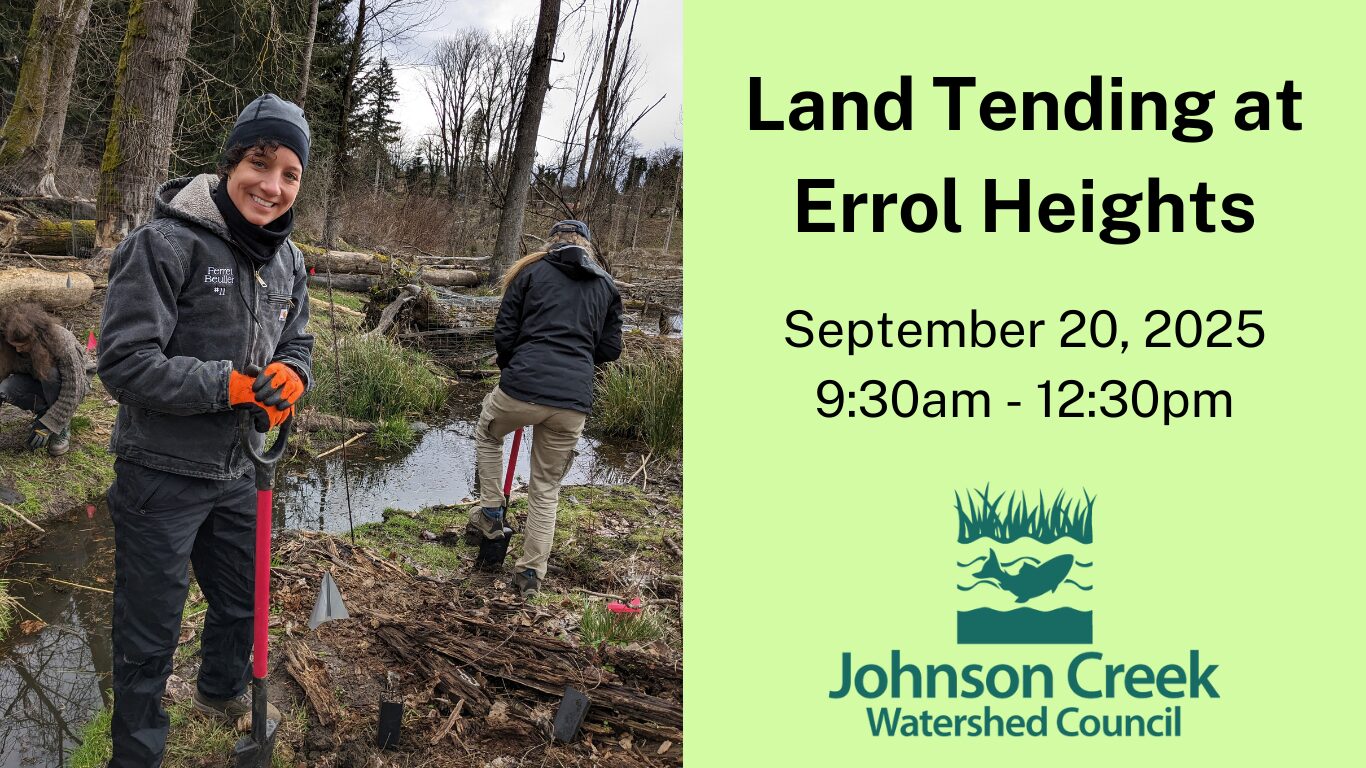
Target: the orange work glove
(242, 396)
(278, 386)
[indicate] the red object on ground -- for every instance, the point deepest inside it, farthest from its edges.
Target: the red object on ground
(512, 463)
(261, 614)
(312, 270)
(90, 342)
(90, 511)
(631, 607)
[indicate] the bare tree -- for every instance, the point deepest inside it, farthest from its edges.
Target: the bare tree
(508, 244)
(618, 69)
(582, 90)
(451, 89)
(138, 143)
(31, 138)
(307, 62)
(489, 96)
(514, 48)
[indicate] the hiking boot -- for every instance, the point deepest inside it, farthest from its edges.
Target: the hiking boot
(60, 443)
(485, 523)
(527, 583)
(231, 709)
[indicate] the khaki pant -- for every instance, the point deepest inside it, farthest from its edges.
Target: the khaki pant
(552, 452)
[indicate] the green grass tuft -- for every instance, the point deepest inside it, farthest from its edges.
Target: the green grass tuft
(600, 625)
(380, 380)
(96, 748)
(1046, 523)
(9, 606)
(393, 434)
(643, 400)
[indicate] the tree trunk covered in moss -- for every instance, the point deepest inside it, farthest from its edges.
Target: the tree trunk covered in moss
(65, 44)
(137, 148)
(20, 131)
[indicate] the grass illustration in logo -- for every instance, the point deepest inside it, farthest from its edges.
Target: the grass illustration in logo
(1045, 523)
(1034, 578)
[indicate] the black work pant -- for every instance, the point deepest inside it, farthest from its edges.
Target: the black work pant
(27, 393)
(162, 523)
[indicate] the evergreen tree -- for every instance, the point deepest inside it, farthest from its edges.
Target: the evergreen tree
(379, 92)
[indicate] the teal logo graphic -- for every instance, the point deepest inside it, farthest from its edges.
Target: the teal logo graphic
(1029, 597)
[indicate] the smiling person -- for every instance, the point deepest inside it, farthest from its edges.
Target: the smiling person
(208, 287)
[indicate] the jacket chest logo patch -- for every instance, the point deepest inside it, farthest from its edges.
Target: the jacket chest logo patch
(284, 313)
(220, 278)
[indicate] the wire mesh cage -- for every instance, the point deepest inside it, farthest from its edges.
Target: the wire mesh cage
(458, 348)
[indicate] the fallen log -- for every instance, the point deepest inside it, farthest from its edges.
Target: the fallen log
(311, 420)
(386, 318)
(449, 277)
(349, 262)
(361, 283)
(45, 235)
(54, 290)
(352, 283)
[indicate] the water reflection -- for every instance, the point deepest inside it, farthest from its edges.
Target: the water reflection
(439, 470)
(53, 679)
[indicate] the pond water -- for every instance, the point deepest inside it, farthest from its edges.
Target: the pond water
(55, 678)
(438, 470)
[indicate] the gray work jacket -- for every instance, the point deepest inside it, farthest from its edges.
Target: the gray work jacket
(184, 308)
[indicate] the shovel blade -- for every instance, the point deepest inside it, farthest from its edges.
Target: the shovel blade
(330, 605)
(492, 552)
(250, 753)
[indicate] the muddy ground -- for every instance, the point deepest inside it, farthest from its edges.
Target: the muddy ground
(479, 670)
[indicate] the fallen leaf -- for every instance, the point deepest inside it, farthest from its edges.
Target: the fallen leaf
(625, 742)
(31, 626)
(664, 747)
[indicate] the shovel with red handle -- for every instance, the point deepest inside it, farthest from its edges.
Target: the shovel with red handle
(492, 552)
(254, 750)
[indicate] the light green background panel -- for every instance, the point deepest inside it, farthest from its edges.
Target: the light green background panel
(809, 537)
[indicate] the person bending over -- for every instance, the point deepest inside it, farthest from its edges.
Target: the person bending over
(43, 371)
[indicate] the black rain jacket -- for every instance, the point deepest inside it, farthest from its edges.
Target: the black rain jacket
(560, 317)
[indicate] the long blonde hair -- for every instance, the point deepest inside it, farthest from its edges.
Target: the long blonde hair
(559, 238)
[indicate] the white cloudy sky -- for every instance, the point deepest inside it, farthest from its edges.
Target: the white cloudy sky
(658, 36)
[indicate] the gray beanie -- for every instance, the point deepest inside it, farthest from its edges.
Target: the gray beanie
(271, 117)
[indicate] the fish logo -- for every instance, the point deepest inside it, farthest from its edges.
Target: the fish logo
(1032, 580)
(1042, 576)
